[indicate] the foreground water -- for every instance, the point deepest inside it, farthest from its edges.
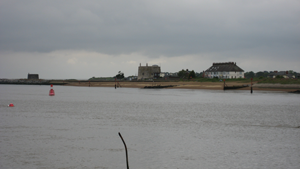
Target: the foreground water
(165, 128)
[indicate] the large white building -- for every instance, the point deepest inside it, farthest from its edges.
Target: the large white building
(226, 70)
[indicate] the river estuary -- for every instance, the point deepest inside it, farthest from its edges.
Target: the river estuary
(163, 128)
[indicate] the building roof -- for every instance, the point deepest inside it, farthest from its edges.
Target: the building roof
(279, 73)
(224, 67)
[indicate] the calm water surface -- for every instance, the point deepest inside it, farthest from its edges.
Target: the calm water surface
(164, 128)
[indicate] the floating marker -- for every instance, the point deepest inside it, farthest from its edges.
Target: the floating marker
(11, 105)
(51, 92)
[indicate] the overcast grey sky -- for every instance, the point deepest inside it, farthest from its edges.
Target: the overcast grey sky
(81, 39)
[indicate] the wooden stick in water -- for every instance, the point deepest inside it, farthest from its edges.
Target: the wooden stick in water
(125, 150)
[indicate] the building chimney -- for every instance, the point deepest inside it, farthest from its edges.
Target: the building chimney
(147, 64)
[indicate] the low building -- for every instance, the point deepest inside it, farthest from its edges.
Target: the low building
(226, 70)
(173, 74)
(164, 74)
(33, 76)
(284, 74)
(168, 74)
(148, 72)
(131, 78)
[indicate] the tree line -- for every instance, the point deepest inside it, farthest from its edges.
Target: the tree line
(186, 74)
(259, 74)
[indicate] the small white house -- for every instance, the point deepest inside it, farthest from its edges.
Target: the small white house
(167, 74)
(227, 70)
(163, 74)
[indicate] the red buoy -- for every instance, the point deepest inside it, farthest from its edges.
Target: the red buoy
(11, 105)
(51, 92)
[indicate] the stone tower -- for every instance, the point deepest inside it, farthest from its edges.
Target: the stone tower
(146, 72)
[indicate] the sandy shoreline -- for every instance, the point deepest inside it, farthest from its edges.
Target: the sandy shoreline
(192, 85)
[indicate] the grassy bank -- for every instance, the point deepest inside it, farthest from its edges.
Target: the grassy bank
(215, 80)
(258, 80)
(279, 81)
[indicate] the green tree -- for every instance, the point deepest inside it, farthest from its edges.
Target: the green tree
(249, 74)
(260, 74)
(192, 74)
(182, 74)
(120, 75)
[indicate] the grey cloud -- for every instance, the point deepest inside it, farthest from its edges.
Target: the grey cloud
(167, 28)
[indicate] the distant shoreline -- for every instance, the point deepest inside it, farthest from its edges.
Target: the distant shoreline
(176, 85)
(37, 83)
(191, 85)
